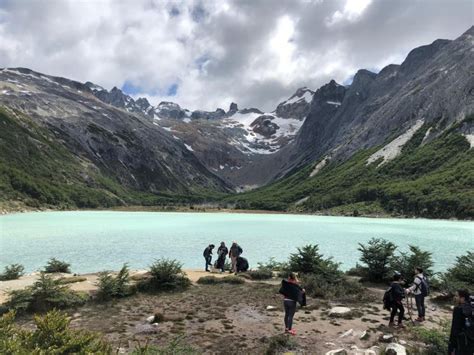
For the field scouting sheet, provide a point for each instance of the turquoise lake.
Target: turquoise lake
(103, 240)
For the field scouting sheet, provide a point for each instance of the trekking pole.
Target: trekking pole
(409, 308)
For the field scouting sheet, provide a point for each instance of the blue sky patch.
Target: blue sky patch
(172, 90)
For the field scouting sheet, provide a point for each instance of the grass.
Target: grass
(212, 280)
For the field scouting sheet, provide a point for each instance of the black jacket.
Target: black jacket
(207, 252)
(293, 292)
(457, 341)
(398, 293)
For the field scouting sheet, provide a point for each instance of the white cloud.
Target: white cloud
(255, 53)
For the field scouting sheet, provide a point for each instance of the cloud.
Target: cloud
(206, 54)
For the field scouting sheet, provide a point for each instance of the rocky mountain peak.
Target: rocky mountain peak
(297, 106)
(418, 56)
(233, 108)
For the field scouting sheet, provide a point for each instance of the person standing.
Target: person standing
(292, 293)
(208, 255)
(222, 252)
(398, 294)
(461, 338)
(234, 252)
(420, 290)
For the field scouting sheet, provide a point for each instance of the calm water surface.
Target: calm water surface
(95, 241)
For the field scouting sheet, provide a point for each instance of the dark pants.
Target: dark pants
(208, 261)
(420, 305)
(290, 309)
(397, 307)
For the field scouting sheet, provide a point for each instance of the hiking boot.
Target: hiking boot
(391, 324)
(419, 319)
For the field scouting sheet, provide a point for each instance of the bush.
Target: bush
(110, 286)
(272, 265)
(279, 344)
(341, 289)
(45, 294)
(51, 336)
(165, 275)
(308, 260)
(377, 256)
(405, 263)
(55, 265)
(212, 280)
(260, 274)
(12, 272)
(436, 340)
(463, 269)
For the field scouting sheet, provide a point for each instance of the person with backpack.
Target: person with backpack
(461, 338)
(420, 289)
(234, 252)
(221, 254)
(293, 293)
(396, 295)
(208, 255)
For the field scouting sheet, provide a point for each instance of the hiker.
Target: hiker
(222, 252)
(293, 293)
(461, 338)
(208, 255)
(420, 290)
(241, 264)
(234, 252)
(397, 294)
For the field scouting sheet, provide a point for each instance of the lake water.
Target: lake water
(95, 241)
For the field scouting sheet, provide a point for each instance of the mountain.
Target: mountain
(303, 155)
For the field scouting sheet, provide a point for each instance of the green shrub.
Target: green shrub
(435, 339)
(51, 336)
(177, 346)
(308, 260)
(110, 286)
(165, 275)
(405, 263)
(341, 289)
(71, 280)
(463, 269)
(278, 344)
(212, 280)
(260, 274)
(272, 265)
(55, 265)
(377, 256)
(12, 272)
(45, 294)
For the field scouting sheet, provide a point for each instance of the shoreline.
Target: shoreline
(199, 209)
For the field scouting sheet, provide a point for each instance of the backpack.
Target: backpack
(468, 312)
(240, 250)
(424, 286)
(388, 299)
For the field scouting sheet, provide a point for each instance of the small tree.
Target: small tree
(463, 269)
(12, 272)
(308, 260)
(405, 263)
(165, 275)
(377, 256)
(114, 286)
(55, 265)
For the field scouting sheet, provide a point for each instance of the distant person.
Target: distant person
(222, 252)
(398, 294)
(241, 265)
(461, 338)
(208, 255)
(234, 252)
(292, 293)
(420, 289)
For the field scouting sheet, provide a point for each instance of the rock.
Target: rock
(271, 308)
(346, 334)
(395, 349)
(145, 329)
(151, 319)
(402, 342)
(329, 344)
(341, 351)
(364, 335)
(339, 311)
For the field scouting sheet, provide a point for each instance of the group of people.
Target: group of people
(238, 263)
(461, 339)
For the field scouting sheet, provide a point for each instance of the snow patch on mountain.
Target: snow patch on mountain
(470, 139)
(393, 149)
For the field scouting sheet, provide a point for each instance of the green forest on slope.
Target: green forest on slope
(38, 171)
(434, 180)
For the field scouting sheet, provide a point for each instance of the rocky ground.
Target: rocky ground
(245, 318)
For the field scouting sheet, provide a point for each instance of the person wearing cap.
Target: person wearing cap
(398, 294)
(222, 252)
(234, 252)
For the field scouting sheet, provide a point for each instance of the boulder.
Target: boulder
(271, 308)
(386, 338)
(347, 333)
(339, 311)
(341, 351)
(395, 349)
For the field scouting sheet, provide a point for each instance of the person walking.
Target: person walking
(420, 291)
(208, 255)
(222, 252)
(292, 293)
(234, 252)
(398, 294)
(461, 338)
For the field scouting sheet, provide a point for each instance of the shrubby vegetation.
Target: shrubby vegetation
(55, 265)
(45, 294)
(405, 263)
(436, 339)
(165, 275)
(52, 335)
(12, 272)
(459, 276)
(212, 280)
(177, 346)
(110, 286)
(376, 256)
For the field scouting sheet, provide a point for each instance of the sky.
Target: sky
(204, 54)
